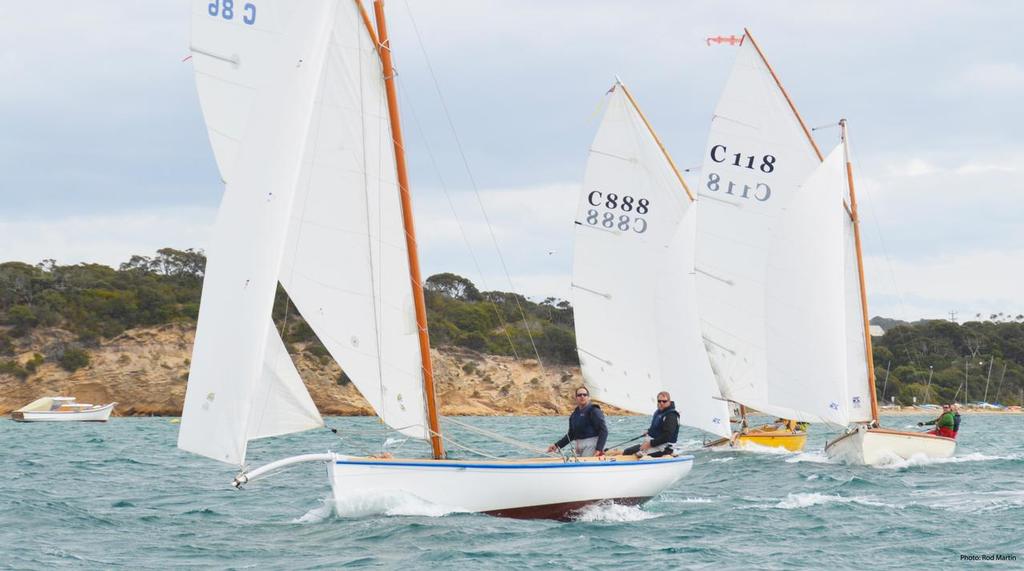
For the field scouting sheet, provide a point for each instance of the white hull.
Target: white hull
(520, 489)
(98, 414)
(873, 446)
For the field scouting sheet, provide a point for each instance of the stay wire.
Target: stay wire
(472, 179)
(407, 103)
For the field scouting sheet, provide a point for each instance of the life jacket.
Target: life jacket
(581, 423)
(659, 419)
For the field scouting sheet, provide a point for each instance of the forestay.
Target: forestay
(635, 326)
(757, 156)
(229, 360)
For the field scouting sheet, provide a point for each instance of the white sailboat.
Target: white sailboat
(866, 442)
(300, 103)
(637, 331)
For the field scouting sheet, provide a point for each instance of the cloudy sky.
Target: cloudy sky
(103, 151)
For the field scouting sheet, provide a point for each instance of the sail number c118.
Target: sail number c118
(226, 9)
(629, 217)
(758, 191)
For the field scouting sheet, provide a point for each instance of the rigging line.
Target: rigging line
(494, 435)
(476, 189)
(462, 231)
(888, 262)
(454, 442)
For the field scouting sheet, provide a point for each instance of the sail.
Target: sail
(757, 156)
(246, 248)
(805, 305)
(281, 403)
(685, 367)
(345, 262)
(346, 265)
(630, 210)
(858, 400)
(231, 51)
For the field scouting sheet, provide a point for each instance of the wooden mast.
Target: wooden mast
(657, 140)
(785, 94)
(384, 48)
(860, 271)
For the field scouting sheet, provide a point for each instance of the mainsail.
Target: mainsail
(633, 285)
(758, 154)
(331, 231)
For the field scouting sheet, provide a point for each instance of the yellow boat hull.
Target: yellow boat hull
(792, 441)
(767, 436)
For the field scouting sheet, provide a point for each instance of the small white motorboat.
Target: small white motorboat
(62, 409)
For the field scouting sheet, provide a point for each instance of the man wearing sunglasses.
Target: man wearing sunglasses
(587, 429)
(663, 432)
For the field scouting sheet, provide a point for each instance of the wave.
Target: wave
(611, 512)
(896, 463)
(371, 503)
(813, 457)
(803, 500)
(729, 459)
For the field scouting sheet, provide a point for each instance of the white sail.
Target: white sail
(281, 403)
(630, 210)
(685, 367)
(757, 155)
(804, 292)
(346, 266)
(858, 400)
(248, 241)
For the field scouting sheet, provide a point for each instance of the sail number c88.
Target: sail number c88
(226, 9)
(629, 217)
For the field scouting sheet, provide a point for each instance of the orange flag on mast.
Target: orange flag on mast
(731, 40)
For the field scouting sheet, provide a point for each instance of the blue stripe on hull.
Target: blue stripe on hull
(519, 466)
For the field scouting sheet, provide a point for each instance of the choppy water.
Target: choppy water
(121, 494)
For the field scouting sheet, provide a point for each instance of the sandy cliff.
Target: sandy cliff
(145, 371)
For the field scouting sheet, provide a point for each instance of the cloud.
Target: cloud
(974, 282)
(105, 239)
(1004, 78)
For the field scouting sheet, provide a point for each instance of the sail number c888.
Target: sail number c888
(226, 9)
(629, 216)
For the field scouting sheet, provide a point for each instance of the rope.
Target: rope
(496, 436)
(408, 104)
(472, 180)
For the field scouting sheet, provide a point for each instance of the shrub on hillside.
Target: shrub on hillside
(73, 359)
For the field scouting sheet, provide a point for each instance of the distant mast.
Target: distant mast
(860, 269)
(410, 231)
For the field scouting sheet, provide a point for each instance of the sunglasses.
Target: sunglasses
(660, 400)
(582, 395)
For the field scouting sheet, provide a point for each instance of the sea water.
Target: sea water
(121, 494)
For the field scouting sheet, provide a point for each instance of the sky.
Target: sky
(104, 154)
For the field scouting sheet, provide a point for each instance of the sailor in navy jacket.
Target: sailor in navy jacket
(663, 432)
(587, 428)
